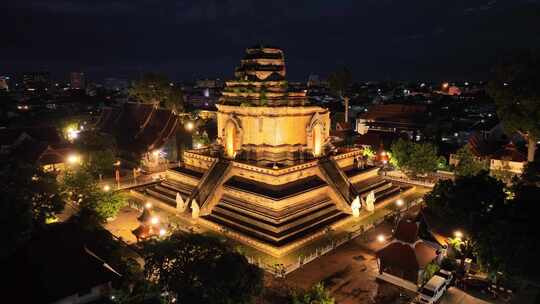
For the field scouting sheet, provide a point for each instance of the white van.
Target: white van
(432, 291)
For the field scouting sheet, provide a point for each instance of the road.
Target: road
(458, 296)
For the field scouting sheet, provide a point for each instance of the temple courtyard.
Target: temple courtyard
(349, 271)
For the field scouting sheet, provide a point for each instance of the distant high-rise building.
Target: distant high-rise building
(4, 86)
(77, 81)
(313, 80)
(209, 83)
(115, 84)
(36, 81)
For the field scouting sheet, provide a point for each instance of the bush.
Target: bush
(317, 294)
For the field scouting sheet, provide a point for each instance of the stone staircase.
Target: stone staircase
(383, 189)
(166, 191)
(337, 179)
(210, 181)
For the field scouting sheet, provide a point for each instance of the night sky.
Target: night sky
(376, 39)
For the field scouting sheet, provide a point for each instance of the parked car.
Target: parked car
(432, 291)
(474, 283)
(448, 276)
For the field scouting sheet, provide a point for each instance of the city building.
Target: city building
(142, 132)
(36, 82)
(41, 146)
(500, 157)
(77, 81)
(394, 118)
(115, 84)
(273, 180)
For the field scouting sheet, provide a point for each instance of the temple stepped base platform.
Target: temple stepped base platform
(273, 225)
(275, 233)
(245, 202)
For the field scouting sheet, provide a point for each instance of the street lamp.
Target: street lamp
(117, 172)
(399, 203)
(381, 238)
(162, 232)
(458, 234)
(73, 159)
(189, 126)
(106, 188)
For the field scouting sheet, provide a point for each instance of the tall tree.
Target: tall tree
(201, 269)
(79, 186)
(516, 90)
(462, 204)
(414, 158)
(495, 227)
(468, 164)
(158, 90)
(30, 197)
(340, 80)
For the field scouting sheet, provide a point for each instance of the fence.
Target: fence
(421, 182)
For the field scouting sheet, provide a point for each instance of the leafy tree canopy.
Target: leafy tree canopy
(79, 186)
(368, 152)
(101, 162)
(515, 88)
(414, 158)
(30, 197)
(157, 89)
(462, 204)
(500, 230)
(201, 269)
(509, 243)
(340, 80)
(90, 141)
(468, 163)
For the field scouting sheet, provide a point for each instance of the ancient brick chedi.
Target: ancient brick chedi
(273, 180)
(260, 118)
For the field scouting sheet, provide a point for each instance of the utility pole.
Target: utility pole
(346, 99)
